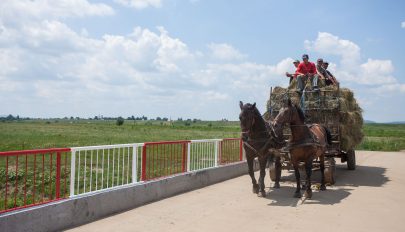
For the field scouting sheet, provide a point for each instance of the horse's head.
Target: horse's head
(289, 113)
(247, 118)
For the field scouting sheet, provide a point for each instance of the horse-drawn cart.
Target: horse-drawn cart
(331, 107)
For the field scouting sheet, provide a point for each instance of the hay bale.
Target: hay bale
(328, 107)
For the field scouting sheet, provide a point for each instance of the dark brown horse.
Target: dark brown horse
(307, 143)
(259, 140)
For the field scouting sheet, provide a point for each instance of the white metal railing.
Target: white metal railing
(202, 154)
(95, 168)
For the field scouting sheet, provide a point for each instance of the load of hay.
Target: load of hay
(335, 108)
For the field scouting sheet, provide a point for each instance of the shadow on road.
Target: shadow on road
(345, 182)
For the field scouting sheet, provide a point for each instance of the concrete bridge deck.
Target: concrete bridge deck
(371, 198)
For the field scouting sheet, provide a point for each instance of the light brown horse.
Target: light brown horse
(259, 140)
(307, 143)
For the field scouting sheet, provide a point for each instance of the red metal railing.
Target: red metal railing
(33, 177)
(163, 159)
(230, 151)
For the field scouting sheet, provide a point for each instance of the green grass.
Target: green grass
(37, 134)
(383, 137)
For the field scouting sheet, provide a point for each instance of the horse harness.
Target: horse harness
(268, 139)
(312, 141)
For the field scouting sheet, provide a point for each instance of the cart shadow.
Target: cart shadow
(346, 181)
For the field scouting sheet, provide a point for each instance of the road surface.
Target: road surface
(370, 198)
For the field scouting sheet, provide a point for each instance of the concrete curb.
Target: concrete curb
(84, 209)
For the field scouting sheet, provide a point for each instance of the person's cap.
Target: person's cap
(320, 60)
(296, 61)
(305, 56)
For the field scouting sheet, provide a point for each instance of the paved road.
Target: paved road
(371, 198)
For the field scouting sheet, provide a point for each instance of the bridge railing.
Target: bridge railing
(96, 168)
(33, 177)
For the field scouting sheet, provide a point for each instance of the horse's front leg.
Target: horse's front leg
(255, 188)
(297, 193)
(308, 170)
(262, 163)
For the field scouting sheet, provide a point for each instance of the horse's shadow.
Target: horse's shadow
(346, 181)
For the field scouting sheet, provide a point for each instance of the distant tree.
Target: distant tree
(180, 119)
(95, 117)
(120, 121)
(165, 119)
(158, 119)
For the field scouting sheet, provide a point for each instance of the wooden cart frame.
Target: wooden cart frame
(332, 123)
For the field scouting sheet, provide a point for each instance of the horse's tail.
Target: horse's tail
(328, 135)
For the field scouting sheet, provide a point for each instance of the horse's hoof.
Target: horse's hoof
(323, 187)
(308, 194)
(262, 194)
(276, 185)
(255, 189)
(297, 195)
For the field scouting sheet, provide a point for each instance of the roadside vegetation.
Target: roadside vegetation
(37, 134)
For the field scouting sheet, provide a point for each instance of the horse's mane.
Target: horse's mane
(300, 113)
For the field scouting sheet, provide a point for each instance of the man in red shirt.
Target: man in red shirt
(290, 75)
(306, 70)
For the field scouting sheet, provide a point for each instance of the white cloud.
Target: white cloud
(375, 72)
(389, 89)
(140, 4)
(403, 24)
(329, 44)
(351, 69)
(225, 52)
(24, 10)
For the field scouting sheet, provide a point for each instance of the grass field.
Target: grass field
(36, 134)
(383, 137)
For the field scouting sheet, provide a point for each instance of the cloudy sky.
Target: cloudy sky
(192, 58)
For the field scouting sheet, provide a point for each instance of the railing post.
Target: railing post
(183, 162)
(143, 167)
(216, 152)
(72, 173)
(57, 188)
(188, 156)
(134, 163)
(240, 150)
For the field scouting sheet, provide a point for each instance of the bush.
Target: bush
(120, 121)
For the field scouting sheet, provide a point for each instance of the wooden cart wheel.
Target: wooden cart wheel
(351, 160)
(330, 171)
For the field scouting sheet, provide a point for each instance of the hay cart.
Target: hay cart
(332, 107)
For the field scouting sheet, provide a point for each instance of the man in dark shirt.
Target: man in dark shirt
(331, 80)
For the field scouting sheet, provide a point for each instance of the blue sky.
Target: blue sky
(192, 58)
